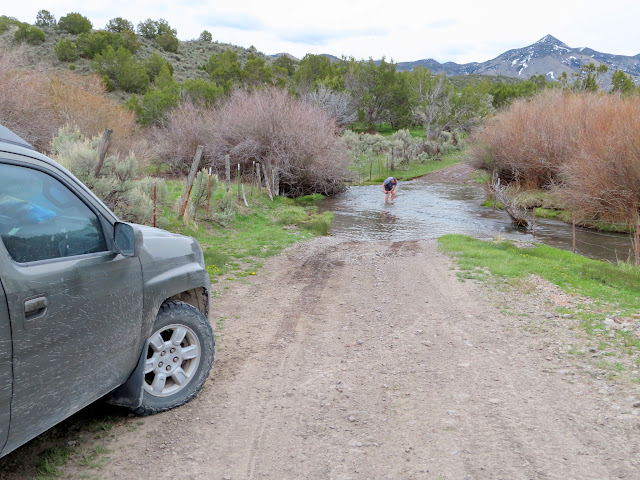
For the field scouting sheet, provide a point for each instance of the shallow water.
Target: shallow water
(424, 210)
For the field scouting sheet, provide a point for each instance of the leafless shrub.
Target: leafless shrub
(35, 104)
(529, 141)
(296, 141)
(602, 179)
(584, 146)
(338, 105)
(186, 127)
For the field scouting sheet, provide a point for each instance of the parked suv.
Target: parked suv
(90, 306)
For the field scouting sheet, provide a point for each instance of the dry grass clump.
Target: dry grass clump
(585, 147)
(35, 104)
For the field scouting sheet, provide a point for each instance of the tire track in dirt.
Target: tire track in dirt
(310, 279)
(347, 360)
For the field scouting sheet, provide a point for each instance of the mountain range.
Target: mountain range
(548, 56)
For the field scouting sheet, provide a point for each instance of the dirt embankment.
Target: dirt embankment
(349, 360)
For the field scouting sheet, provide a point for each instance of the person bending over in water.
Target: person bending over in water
(389, 187)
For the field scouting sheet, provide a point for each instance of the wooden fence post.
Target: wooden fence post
(192, 176)
(238, 178)
(227, 167)
(638, 244)
(253, 178)
(209, 190)
(266, 181)
(573, 228)
(244, 197)
(259, 178)
(102, 149)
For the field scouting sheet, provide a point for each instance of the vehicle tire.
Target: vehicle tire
(178, 358)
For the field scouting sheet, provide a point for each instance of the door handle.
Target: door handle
(34, 308)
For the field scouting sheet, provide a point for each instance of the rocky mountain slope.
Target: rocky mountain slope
(548, 56)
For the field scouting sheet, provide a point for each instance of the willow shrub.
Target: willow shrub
(583, 146)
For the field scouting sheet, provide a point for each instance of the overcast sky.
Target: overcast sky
(459, 31)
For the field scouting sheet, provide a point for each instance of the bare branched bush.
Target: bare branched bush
(585, 146)
(36, 105)
(338, 105)
(601, 182)
(176, 142)
(296, 141)
(529, 141)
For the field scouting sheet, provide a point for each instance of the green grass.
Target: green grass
(614, 288)
(602, 281)
(96, 458)
(372, 170)
(235, 248)
(50, 460)
(387, 130)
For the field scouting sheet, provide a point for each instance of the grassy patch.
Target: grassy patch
(50, 459)
(615, 289)
(373, 170)
(96, 458)
(386, 130)
(235, 243)
(599, 280)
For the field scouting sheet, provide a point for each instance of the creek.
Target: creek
(427, 210)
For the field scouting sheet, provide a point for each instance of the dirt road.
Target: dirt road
(346, 360)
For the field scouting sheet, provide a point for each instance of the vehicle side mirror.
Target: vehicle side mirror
(124, 239)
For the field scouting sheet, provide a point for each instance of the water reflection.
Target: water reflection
(424, 210)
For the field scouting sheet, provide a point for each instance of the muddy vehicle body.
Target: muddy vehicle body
(90, 306)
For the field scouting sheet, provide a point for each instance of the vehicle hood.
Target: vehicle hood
(166, 249)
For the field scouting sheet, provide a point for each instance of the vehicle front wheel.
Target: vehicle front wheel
(178, 358)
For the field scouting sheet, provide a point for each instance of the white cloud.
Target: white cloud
(464, 32)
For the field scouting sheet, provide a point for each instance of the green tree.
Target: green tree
(66, 50)
(168, 42)
(154, 64)
(375, 91)
(90, 44)
(131, 41)
(29, 34)
(256, 72)
(504, 93)
(152, 28)
(75, 24)
(119, 25)
(286, 63)
(121, 67)
(622, 84)
(157, 101)
(45, 19)
(224, 69)
(312, 71)
(205, 36)
(200, 91)
(587, 77)
(163, 28)
(431, 95)
(148, 29)
(399, 104)
(468, 107)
